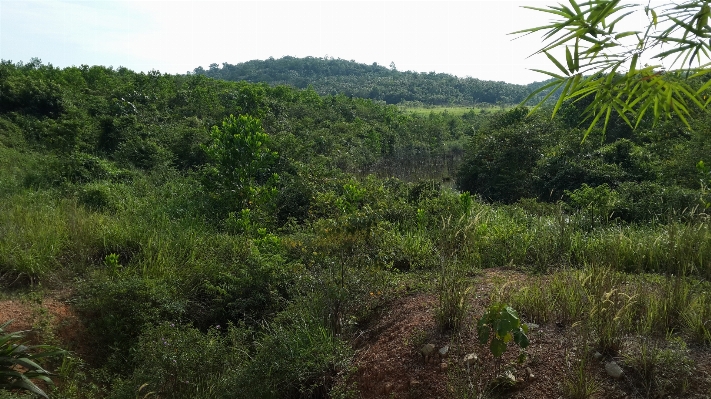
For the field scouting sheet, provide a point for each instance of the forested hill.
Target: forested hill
(335, 76)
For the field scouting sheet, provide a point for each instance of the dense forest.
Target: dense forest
(228, 239)
(329, 76)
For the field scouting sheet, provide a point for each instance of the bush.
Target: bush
(179, 361)
(648, 201)
(296, 357)
(499, 163)
(117, 310)
(96, 196)
(251, 292)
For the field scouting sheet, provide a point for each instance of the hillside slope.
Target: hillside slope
(376, 82)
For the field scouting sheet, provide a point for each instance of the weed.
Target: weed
(661, 369)
(579, 382)
(416, 339)
(454, 289)
(697, 318)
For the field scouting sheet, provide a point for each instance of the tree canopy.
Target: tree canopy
(329, 76)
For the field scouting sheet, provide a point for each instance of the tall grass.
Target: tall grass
(612, 305)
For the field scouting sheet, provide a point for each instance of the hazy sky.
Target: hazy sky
(463, 38)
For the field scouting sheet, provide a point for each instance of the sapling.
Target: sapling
(499, 326)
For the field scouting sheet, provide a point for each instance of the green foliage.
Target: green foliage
(331, 76)
(499, 163)
(602, 63)
(33, 233)
(499, 326)
(240, 159)
(181, 362)
(249, 293)
(705, 173)
(662, 369)
(116, 310)
(18, 363)
(456, 261)
(598, 202)
(113, 192)
(297, 356)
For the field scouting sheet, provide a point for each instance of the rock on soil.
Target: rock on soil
(613, 370)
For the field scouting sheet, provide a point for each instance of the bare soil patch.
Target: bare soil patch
(390, 364)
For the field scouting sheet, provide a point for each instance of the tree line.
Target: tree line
(329, 76)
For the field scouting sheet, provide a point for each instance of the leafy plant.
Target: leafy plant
(179, 361)
(499, 326)
(598, 201)
(239, 158)
(602, 63)
(18, 362)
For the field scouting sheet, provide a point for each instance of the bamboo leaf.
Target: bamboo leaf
(576, 63)
(558, 64)
(625, 34)
(592, 125)
(548, 73)
(569, 60)
(680, 115)
(607, 119)
(562, 96)
(655, 19)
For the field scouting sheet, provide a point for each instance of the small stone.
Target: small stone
(444, 351)
(470, 359)
(597, 355)
(414, 383)
(427, 350)
(532, 326)
(529, 374)
(443, 366)
(613, 370)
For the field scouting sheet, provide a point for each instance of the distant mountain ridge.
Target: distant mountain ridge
(376, 82)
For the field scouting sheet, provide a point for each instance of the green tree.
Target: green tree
(500, 160)
(239, 161)
(607, 66)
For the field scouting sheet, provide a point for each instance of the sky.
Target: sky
(463, 38)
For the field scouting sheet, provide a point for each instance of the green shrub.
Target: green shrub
(116, 310)
(240, 161)
(647, 201)
(96, 196)
(179, 361)
(297, 356)
(143, 153)
(251, 292)
(77, 168)
(10, 135)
